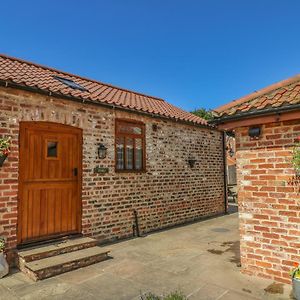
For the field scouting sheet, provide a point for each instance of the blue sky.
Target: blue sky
(192, 53)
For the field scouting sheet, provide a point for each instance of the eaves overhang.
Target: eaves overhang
(255, 113)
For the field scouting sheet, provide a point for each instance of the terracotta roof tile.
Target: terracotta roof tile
(27, 74)
(284, 93)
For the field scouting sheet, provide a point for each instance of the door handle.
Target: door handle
(75, 171)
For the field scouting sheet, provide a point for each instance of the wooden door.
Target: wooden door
(49, 181)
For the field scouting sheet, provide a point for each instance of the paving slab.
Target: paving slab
(108, 287)
(79, 276)
(208, 292)
(6, 294)
(230, 295)
(16, 280)
(199, 259)
(46, 287)
(73, 293)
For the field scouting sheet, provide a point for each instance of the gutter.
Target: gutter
(111, 106)
(225, 173)
(264, 112)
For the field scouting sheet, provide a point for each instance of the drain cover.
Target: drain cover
(220, 230)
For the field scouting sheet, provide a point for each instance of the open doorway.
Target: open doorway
(231, 172)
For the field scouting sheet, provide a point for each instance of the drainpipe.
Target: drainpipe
(225, 173)
(136, 225)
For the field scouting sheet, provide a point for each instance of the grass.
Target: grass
(172, 296)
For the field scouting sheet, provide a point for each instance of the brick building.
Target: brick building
(266, 125)
(86, 155)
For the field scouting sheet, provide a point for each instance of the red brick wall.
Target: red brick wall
(269, 207)
(169, 193)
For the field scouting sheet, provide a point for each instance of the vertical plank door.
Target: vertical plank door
(49, 181)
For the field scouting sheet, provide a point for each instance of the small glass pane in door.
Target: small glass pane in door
(52, 149)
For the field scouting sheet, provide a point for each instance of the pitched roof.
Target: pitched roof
(283, 94)
(40, 78)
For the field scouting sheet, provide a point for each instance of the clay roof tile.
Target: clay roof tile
(26, 74)
(284, 93)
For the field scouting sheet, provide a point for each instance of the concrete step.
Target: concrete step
(56, 248)
(58, 264)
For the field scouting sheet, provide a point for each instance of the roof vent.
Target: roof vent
(70, 83)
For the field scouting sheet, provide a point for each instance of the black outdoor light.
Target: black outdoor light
(192, 162)
(102, 151)
(254, 132)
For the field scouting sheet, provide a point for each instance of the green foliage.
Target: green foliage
(295, 273)
(4, 146)
(172, 296)
(2, 244)
(296, 158)
(175, 296)
(150, 296)
(203, 113)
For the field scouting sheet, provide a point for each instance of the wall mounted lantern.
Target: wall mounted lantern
(192, 162)
(102, 150)
(254, 132)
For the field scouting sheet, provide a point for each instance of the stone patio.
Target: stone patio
(201, 260)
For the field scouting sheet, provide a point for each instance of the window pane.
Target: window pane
(137, 130)
(129, 154)
(138, 154)
(120, 153)
(51, 149)
(129, 145)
